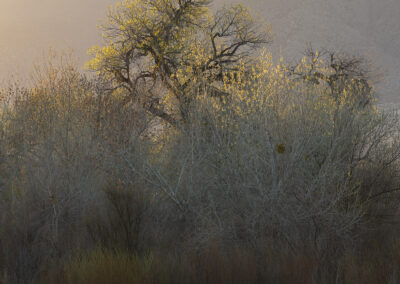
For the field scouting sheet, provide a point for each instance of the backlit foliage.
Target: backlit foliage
(165, 52)
(266, 85)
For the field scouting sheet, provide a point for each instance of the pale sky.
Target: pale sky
(371, 27)
(28, 28)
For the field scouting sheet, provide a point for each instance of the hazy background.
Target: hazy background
(368, 27)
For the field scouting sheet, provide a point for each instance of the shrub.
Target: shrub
(277, 179)
(59, 140)
(281, 160)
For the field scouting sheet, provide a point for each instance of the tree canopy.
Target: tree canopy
(163, 53)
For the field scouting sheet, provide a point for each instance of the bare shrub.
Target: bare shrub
(272, 181)
(120, 224)
(283, 161)
(59, 139)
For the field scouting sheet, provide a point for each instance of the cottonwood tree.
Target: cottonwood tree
(161, 53)
(342, 73)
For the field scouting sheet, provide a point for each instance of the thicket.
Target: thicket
(268, 174)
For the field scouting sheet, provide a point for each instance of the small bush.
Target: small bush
(123, 222)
